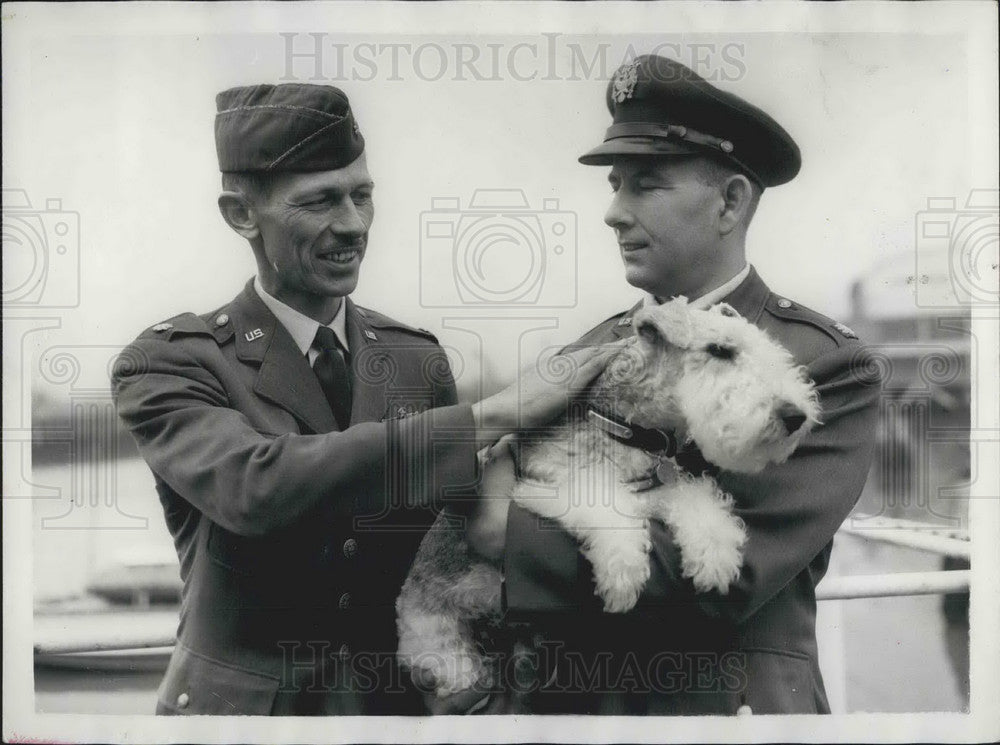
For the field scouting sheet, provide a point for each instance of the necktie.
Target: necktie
(331, 368)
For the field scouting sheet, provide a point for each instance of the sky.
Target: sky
(112, 126)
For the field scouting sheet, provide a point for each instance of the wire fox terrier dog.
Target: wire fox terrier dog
(696, 378)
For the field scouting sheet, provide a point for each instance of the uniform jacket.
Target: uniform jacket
(293, 537)
(684, 652)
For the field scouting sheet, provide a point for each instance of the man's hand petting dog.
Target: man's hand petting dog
(542, 391)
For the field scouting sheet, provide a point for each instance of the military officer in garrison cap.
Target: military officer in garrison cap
(293, 435)
(688, 164)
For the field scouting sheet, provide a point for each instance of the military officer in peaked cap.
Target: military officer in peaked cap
(688, 163)
(292, 434)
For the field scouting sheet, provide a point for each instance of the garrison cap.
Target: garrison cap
(288, 127)
(661, 107)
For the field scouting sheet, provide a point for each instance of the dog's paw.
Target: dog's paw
(620, 576)
(707, 532)
(717, 563)
(717, 574)
(618, 599)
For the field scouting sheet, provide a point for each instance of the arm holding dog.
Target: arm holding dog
(791, 510)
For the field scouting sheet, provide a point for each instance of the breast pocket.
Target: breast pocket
(196, 684)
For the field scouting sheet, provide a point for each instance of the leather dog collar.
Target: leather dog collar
(654, 441)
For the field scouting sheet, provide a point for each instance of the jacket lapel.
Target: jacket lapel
(367, 391)
(285, 377)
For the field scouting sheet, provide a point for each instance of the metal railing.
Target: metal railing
(904, 533)
(911, 534)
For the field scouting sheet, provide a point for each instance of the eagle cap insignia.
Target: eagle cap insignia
(625, 81)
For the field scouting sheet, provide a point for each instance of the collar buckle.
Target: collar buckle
(615, 429)
(653, 441)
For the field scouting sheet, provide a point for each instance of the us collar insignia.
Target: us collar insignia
(625, 81)
(625, 321)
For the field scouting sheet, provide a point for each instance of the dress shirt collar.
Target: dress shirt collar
(301, 327)
(709, 298)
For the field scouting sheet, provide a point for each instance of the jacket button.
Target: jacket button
(744, 711)
(344, 652)
(345, 601)
(784, 303)
(221, 320)
(182, 701)
(350, 547)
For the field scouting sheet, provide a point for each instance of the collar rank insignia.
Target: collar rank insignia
(625, 81)
(845, 330)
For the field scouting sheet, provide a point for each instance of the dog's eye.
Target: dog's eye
(721, 351)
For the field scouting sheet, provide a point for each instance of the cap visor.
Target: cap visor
(603, 154)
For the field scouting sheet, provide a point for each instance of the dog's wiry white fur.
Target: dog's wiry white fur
(708, 376)
(445, 590)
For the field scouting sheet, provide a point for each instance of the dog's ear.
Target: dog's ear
(725, 309)
(673, 322)
(648, 331)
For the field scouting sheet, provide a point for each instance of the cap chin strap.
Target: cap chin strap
(686, 135)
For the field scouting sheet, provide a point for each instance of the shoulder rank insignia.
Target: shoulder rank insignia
(371, 334)
(845, 330)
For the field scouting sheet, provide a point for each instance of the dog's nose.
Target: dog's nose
(792, 422)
